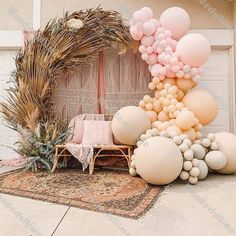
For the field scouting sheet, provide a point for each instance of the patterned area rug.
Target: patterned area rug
(114, 192)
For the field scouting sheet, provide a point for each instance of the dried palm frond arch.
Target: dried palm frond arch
(63, 45)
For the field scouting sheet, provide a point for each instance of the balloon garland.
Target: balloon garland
(176, 112)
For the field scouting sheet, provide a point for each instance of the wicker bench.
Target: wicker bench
(124, 151)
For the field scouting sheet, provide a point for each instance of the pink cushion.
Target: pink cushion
(78, 131)
(97, 133)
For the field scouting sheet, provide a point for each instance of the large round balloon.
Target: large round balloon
(176, 20)
(158, 160)
(129, 123)
(194, 49)
(227, 145)
(202, 104)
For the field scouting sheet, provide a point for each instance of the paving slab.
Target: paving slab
(206, 209)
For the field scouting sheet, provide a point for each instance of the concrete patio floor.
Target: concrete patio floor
(206, 209)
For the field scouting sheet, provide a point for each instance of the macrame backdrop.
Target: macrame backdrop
(104, 86)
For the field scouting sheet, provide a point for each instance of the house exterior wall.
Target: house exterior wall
(205, 14)
(16, 14)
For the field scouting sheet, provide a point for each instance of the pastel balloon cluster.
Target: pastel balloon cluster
(166, 111)
(198, 156)
(160, 48)
(166, 127)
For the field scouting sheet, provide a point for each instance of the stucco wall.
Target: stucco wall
(16, 14)
(205, 14)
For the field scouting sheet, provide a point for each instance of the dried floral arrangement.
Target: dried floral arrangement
(63, 45)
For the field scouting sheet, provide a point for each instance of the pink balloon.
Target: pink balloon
(148, 12)
(144, 56)
(133, 30)
(180, 74)
(176, 20)
(170, 74)
(152, 59)
(137, 36)
(194, 49)
(155, 22)
(173, 44)
(175, 69)
(176, 54)
(148, 28)
(155, 70)
(167, 58)
(174, 61)
(187, 76)
(132, 21)
(169, 50)
(181, 65)
(163, 43)
(139, 26)
(147, 41)
(168, 33)
(186, 69)
(140, 16)
(159, 50)
(162, 70)
(160, 30)
(155, 46)
(194, 71)
(168, 67)
(161, 36)
(149, 50)
(142, 49)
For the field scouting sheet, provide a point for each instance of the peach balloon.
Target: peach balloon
(185, 120)
(142, 104)
(162, 116)
(149, 106)
(180, 95)
(129, 123)
(176, 20)
(202, 104)
(194, 49)
(184, 84)
(147, 99)
(157, 106)
(171, 81)
(227, 145)
(191, 134)
(158, 160)
(152, 115)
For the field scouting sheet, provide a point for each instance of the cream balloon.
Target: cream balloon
(215, 160)
(203, 168)
(129, 123)
(202, 104)
(198, 151)
(158, 160)
(227, 145)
